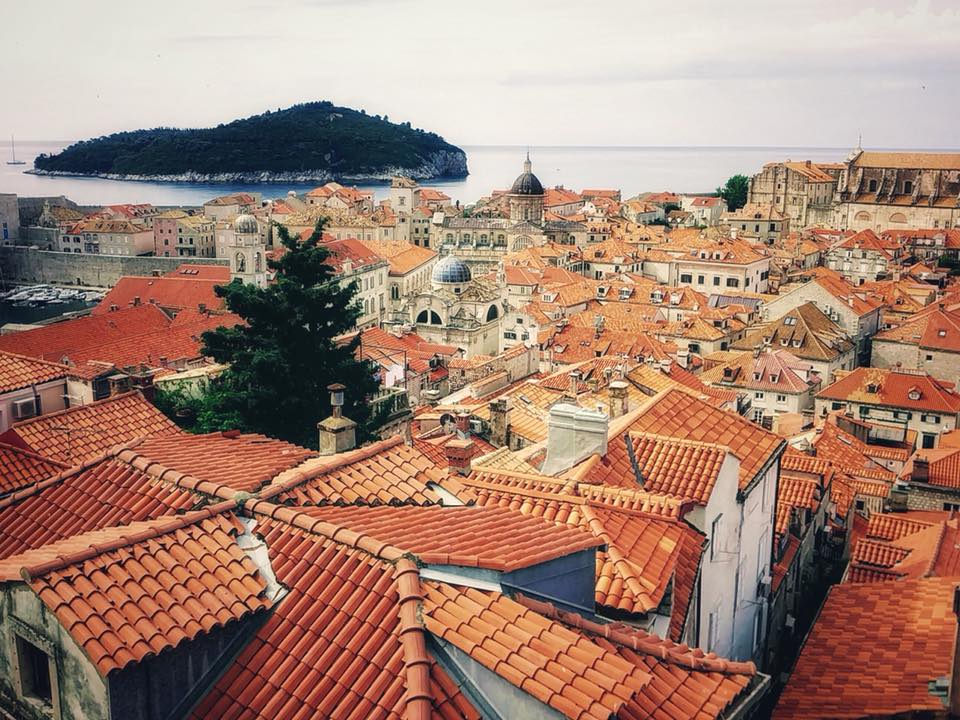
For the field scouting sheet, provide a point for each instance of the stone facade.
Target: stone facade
(939, 363)
(802, 191)
(22, 264)
(9, 218)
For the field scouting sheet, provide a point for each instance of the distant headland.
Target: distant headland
(310, 142)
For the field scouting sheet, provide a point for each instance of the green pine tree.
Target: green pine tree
(284, 355)
(735, 191)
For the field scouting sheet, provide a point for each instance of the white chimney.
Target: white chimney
(574, 434)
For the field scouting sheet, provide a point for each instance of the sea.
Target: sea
(630, 169)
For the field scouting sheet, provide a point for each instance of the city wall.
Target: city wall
(27, 265)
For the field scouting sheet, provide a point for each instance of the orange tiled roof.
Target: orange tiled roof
(80, 433)
(486, 537)
(672, 466)
(384, 472)
(403, 257)
(893, 388)
(433, 447)
(676, 413)
(101, 493)
(345, 641)
(62, 339)
(167, 292)
(902, 636)
(19, 371)
(794, 492)
(244, 462)
(150, 587)
(20, 467)
(562, 669)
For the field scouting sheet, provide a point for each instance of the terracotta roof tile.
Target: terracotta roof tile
(173, 292)
(20, 467)
(80, 433)
(244, 462)
(158, 584)
(893, 388)
(684, 683)
(486, 537)
(794, 492)
(874, 651)
(561, 668)
(672, 466)
(64, 339)
(20, 371)
(101, 493)
(384, 472)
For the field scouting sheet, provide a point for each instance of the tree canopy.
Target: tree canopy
(316, 136)
(735, 191)
(281, 359)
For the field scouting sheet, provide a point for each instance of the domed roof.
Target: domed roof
(245, 224)
(526, 183)
(451, 270)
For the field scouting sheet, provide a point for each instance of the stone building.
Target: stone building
(882, 190)
(801, 191)
(240, 242)
(178, 234)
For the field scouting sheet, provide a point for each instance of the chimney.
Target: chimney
(337, 433)
(573, 435)
(574, 386)
(666, 365)
(463, 424)
(921, 470)
(499, 423)
(114, 308)
(136, 300)
(155, 272)
(202, 307)
(618, 398)
(459, 453)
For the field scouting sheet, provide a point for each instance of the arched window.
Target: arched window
(492, 313)
(863, 216)
(428, 317)
(898, 218)
(241, 263)
(258, 262)
(394, 292)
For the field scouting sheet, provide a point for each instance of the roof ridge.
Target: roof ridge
(37, 456)
(163, 526)
(681, 441)
(416, 659)
(295, 476)
(338, 533)
(642, 641)
(29, 358)
(180, 479)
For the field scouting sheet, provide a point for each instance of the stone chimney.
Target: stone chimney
(337, 433)
(136, 300)
(463, 424)
(459, 453)
(574, 434)
(666, 365)
(921, 470)
(500, 423)
(574, 385)
(618, 398)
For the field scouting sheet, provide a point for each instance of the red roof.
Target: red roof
(874, 651)
(19, 371)
(220, 273)
(173, 292)
(913, 390)
(131, 592)
(678, 467)
(485, 537)
(81, 433)
(64, 339)
(20, 467)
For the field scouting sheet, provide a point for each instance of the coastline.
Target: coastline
(442, 165)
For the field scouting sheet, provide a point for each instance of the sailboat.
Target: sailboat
(13, 154)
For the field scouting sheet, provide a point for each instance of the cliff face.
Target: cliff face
(316, 142)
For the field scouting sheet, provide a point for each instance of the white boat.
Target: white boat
(13, 154)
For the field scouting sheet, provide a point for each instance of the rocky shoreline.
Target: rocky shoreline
(442, 164)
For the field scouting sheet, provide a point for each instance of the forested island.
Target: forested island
(315, 141)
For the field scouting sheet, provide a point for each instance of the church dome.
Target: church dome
(245, 224)
(451, 270)
(526, 183)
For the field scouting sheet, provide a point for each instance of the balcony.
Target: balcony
(392, 402)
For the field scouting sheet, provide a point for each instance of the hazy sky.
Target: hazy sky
(805, 73)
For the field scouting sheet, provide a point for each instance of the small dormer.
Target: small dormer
(914, 393)
(601, 291)
(656, 296)
(674, 298)
(758, 376)
(774, 378)
(625, 293)
(873, 388)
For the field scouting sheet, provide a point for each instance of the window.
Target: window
(859, 504)
(733, 282)
(873, 186)
(712, 632)
(928, 441)
(929, 357)
(686, 278)
(758, 395)
(951, 507)
(716, 279)
(781, 398)
(836, 406)
(34, 672)
(907, 187)
(935, 419)
(700, 279)
(715, 537)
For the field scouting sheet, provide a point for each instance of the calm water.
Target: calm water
(631, 169)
